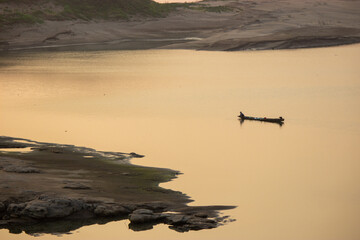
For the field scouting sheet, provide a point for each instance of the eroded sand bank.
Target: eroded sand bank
(261, 24)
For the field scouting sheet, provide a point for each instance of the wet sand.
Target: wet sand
(249, 25)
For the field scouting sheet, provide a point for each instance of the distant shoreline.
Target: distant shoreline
(144, 44)
(250, 25)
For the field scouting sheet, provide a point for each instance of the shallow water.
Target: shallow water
(179, 108)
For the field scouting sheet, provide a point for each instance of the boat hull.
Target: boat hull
(273, 120)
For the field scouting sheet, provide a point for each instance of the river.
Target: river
(179, 108)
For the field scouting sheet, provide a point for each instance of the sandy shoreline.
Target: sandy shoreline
(56, 188)
(281, 24)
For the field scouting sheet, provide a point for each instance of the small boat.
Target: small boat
(279, 120)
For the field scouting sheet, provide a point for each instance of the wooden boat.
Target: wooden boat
(279, 120)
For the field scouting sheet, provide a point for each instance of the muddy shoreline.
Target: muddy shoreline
(247, 25)
(56, 188)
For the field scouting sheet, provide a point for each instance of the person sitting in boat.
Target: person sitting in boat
(241, 115)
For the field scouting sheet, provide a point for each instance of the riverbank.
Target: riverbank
(209, 25)
(54, 188)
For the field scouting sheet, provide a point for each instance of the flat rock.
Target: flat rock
(76, 185)
(21, 169)
(110, 210)
(155, 206)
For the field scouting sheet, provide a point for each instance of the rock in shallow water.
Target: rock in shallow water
(178, 222)
(46, 208)
(144, 216)
(194, 223)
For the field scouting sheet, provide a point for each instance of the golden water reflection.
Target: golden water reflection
(179, 108)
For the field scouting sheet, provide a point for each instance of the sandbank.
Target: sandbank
(57, 188)
(245, 25)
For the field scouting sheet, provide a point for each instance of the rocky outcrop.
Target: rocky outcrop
(45, 208)
(177, 221)
(188, 223)
(21, 169)
(142, 216)
(70, 187)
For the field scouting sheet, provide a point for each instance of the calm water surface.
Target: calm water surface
(299, 181)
